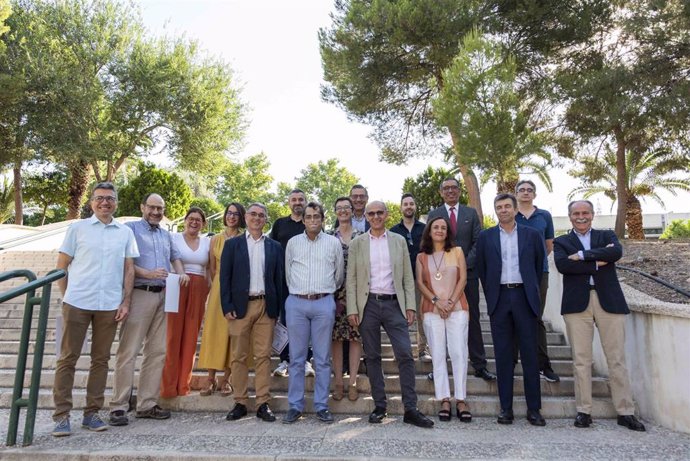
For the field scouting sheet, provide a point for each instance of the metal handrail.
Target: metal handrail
(5, 244)
(18, 402)
(656, 279)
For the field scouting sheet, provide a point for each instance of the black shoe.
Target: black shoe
(291, 416)
(582, 420)
(549, 375)
(535, 418)
(325, 416)
(118, 418)
(485, 374)
(237, 412)
(505, 417)
(264, 413)
(417, 418)
(430, 376)
(154, 412)
(377, 415)
(631, 423)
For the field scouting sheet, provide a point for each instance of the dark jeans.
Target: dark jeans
(542, 354)
(475, 342)
(387, 314)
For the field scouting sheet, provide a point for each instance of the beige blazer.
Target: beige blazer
(359, 273)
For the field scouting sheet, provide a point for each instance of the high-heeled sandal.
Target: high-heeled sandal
(463, 415)
(444, 414)
(352, 392)
(338, 392)
(224, 388)
(209, 388)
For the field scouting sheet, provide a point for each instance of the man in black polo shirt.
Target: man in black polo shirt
(411, 228)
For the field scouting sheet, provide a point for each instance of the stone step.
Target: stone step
(475, 386)
(552, 407)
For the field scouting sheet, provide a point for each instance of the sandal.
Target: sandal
(352, 392)
(444, 414)
(224, 388)
(338, 392)
(210, 388)
(464, 415)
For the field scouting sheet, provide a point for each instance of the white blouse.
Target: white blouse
(195, 262)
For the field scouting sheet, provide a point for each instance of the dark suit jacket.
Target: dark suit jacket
(234, 276)
(531, 254)
(576, 273)
(468, 228)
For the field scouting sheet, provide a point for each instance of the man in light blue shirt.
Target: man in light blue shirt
(98, 254)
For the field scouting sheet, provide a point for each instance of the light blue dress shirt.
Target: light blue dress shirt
(156, 250)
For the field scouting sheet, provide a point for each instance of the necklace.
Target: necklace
(438, 275)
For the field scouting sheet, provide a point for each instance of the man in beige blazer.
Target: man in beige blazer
(380, 293)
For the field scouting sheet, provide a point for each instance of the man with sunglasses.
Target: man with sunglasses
(412, 229)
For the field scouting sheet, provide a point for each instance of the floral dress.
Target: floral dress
(342, 331)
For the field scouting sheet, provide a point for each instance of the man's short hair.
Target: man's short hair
(146, 197)
(570, 205)
(316, 206)
(505, 196)
(260, 205)
(297, 191)
(525, 181)
(407, 195)
(359, 186)
(377, 202)
(440, 186)
(104, 185)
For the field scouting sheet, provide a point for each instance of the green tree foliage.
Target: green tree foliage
(245, 181)
(489, 122)
(678, 228)
(46, 189)
(394, 214)
(426, 189)
(6, 199)
(325, 181)
(5, 11)
(177, 195)
(209, 205)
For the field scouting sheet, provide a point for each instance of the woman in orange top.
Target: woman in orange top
(441, 277)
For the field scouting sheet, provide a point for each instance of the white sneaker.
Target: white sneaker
(308, 369)
(281, 369)
(424, 356)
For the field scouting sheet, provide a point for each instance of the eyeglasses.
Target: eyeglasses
(195, 220)
(377, 213)
(449, 188)
(409, 239)
(233, 213)
(155, 208)
(312, 217)
(254, 214)
(343, 208)
(526, 189)
(105, 198)
(358, 196)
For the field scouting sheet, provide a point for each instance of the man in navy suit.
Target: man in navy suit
(510, 262)
(251, 293)
(592, 296)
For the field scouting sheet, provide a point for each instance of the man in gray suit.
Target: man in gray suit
(465, 227)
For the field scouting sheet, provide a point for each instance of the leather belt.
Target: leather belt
(151, 288)
(255, 297)
(313, 296)
(382, 297)
(511, 285)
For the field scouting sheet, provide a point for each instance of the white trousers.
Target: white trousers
(450, 334)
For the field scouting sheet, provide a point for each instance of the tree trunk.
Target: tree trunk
(18, 199)
(621, 183)
(471, 182)
(78, 181)
(633, 218)
(43, 217)
(505, 183)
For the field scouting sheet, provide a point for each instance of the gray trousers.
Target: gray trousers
(387, 314)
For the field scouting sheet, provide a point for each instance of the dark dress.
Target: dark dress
(342, 331)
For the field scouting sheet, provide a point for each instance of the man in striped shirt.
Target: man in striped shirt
(314, 270)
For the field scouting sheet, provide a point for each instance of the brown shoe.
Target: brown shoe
(209, 388)
(154, 412)
(352, 393)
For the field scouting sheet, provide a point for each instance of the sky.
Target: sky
(272, 46)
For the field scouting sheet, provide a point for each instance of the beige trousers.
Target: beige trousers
(580, 330)
(144, 325)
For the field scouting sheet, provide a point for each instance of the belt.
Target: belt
(592, 287)
(382, 297)
(312, 297)
(255, 297)
(151, 288)
(511, 285)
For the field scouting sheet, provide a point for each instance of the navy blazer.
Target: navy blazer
(576, 273)
(234, 276)
(468, 232)
(489, 264)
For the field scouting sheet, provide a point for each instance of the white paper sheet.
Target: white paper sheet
(280, 338)
(172, 293)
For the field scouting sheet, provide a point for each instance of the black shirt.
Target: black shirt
(284, 229)
(413, 239)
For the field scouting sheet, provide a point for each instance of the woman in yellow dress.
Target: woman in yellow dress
(215, 342)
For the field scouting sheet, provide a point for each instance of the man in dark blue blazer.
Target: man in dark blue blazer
(592, 296)
(251, 293)
(510, 262)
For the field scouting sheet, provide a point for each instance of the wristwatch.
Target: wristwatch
(435, 299)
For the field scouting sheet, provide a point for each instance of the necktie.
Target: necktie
(453, 221)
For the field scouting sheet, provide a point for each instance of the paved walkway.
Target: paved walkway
(206, 436)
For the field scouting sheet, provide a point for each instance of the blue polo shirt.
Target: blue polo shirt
(542, 221)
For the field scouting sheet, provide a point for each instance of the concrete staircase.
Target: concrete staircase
(557, 398)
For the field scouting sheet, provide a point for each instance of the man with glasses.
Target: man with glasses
(283, 230)
(529, 215)
(314, 270)
(251, 290)
(465, 227)
(145, 324)
(98, 255)
(359, 197)
(380, 293)
(412, 229)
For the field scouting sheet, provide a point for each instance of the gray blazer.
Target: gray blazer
(468, 232)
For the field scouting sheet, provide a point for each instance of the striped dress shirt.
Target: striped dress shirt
(314, 266)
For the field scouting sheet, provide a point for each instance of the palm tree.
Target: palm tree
(648, 173)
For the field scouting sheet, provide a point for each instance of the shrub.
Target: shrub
(677, 229)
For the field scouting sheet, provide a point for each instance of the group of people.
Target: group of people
(333, 292)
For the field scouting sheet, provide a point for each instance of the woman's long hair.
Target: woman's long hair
(240, 210)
